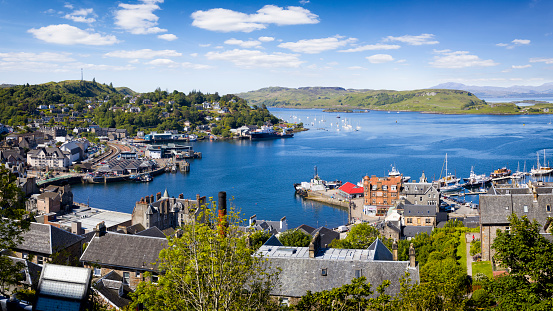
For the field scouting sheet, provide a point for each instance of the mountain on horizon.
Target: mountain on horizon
(544, 90)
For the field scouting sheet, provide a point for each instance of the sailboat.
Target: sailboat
(518, 174)
(449, 182)
(541, 170)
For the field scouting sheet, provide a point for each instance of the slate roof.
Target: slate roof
(327, 235)
(301, 273)
(31, 271)
(124, 250)
(152, 232)
(307, 229)
(412, 231)
(111, 286)
(378, 251)
(273, 241)
(416, 210)
(416, 188)
(47, 239)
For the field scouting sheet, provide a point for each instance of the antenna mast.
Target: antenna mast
(81, 75)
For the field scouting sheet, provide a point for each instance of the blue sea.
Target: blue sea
(259, 175)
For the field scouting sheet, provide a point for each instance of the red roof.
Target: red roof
(350, 188)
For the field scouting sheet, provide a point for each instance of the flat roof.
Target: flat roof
(90, 217)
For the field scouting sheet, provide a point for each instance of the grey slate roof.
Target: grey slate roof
(307, 229)
(412, 231)
(124, 250)
(111, 287)
(273, 241)
(379, 251)
(419, 210)
(301, 273)
(47, 239)
(152, 232)
(327, 235)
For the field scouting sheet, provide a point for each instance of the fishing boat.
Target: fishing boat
(394, 173)
(500, 173)
(449, 183)
(476, 180)
(541, 170)
(316, 184)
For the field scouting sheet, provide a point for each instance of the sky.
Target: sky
(239, 46)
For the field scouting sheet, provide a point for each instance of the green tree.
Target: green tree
(209, 267)
(12, 210)
(258, 238)
(529, 258)
(360, 236)
(294, 237)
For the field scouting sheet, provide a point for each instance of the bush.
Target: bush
(475, 247)
(481, 299)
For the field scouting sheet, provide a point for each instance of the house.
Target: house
(112, 291)
(351, 191)
(48, 202)
(63, 288)
(423, 192)
(30, 273)
(272, 227)
(316, 268)
(127, 255)
(74, 149)
(327, 235)
(165, 212)
(28, 185)
(47, 243)
(380, 193)
(65, 193)
(500, 202)
(51, 157)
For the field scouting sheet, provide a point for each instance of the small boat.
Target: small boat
(394, 173)
(144, 178)
(541, 170)
(518, 174)
(449, 183)
(500, 173)
(192, 137)
(475, 180)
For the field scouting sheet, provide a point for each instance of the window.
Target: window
(385, 187)
(324, 272)
(374, 187)
(358, 273)
(409, 220)
(126, 277)
(418, 221)
(526, 208)
(284, 302)
(548, 208)
(393, 187)
(420, 199)
(97, 271)
(137, 274)
(428, 220)
(374, 201)
(24, 255)
(40, 260)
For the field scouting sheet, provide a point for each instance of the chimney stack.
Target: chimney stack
(181, 196)
(151, 198)
(314, 245)
(100, 229)
(394, 250)
(223, 212)
(283, 224)
(412, 263)
(76, 227)
(158, 196)
(253, 219)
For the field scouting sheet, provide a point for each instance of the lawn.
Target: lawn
(462, 251)
(484, 267)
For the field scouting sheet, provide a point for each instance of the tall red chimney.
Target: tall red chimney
(222, 212)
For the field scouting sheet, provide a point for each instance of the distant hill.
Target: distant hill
(544, 90)
(6, 85)
(429, 100)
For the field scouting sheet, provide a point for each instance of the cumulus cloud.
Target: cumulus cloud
(80, 16)
(225, 20)
(143, 54)
(69, 35)
(168, 37)
(515, 42)
(459, 59)
(256, 59)
(380, 58)
(266, 39)
(521, 66)
(541, 60)
(244, 44)
(48, 62)
(372, 47)
(423, 39)
(139, 19)
(36, 57)
(314, 46)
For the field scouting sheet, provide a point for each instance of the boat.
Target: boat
(394, 173)
(500, 173)
(449, 183)
(541, 170)
(267, 132)
(192, 137)
(143, 178)
(316, 184)
(518, 174)
(475, 180)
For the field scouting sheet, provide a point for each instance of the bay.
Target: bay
(259, 175)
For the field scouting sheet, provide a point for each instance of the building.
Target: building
(327, 235)
(165, 212)
(48, 202)
(48, 157)
(127, 255)
(423, 193)
(351, 191)
(534, 202)
(54, 131)
(66, 195)
(316, 269)
(272, 227)
(380, 193)
(74, 151)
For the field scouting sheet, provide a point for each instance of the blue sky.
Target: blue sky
(236, 46)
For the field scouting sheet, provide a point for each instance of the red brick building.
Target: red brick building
(380, 193)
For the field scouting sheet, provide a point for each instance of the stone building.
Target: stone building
(421, 193)
(534, 202)
(49, 157)
(165, 212)
(380, 193)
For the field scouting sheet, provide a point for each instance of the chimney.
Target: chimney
(151, 198)
(76, 227)
(223, 211)
(412, 263)
(314, 245)
(253, 219)
(394, 250)
(141, 200)
(181, 196)
(283, 224)
(100, 229)
(158, 196)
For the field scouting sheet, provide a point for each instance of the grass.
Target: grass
(484, 267)
(462, 250)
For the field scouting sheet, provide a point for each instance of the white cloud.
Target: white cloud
(256, 59)
(34, 57)
(541, 60)
(205, 45)
(139, 19)
(314, 46)
(144, 53)
(521, 42)
(423, 39)
(502, 44)
(380, 58)
(225, 20)
(48, 62)
(459, 59)
(266, 39)
(303, 2)
(244, 44)
(357, 68)
(164, 62)
(68, 5)
(521, 66)
(372, 47)
(80, 16)
(69, 35)
(194, 54)
(168, 37)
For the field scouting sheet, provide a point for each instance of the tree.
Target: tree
(360, 236)
(209, 268)
(12, 210)
(258, 238)
(294, 237)
(529, 257)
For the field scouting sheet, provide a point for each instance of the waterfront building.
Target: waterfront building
(48, 157)
(351, 191)
(165, 212)
(419, 218)
(380, 193)
(420, 193)
(273, 227)
(316, 268)
(534, 202)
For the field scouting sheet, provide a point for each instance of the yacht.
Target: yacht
(475, 180)
(449, 183)
(541, 170)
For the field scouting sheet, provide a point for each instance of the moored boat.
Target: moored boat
(476, 180)
(501, 172)
(541, 170)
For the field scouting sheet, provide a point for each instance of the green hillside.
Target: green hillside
(427, 100)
